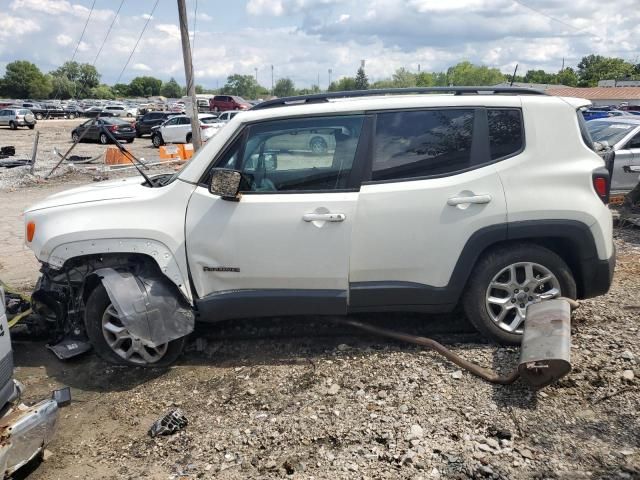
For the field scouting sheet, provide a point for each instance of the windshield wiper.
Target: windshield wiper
(131, 157)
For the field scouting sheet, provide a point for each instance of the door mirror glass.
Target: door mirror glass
(225, 183)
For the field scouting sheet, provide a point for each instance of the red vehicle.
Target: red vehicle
(222, 103)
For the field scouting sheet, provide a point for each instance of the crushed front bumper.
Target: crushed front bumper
(26, 431)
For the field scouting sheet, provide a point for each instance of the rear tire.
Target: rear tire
(72, 116)
(129, 140)
(39, 116)
(97, 307)
(13, 126)
(75, 137)
(189, 138)
(31, 127)
(482, 304)
(104, 139)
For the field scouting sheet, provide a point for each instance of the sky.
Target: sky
(303, 39)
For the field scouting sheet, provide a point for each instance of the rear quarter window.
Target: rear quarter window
(506, 134)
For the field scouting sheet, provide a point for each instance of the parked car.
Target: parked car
(120, 129)
(178, 129)
(145, 122)
(621, 134)
(228, 115)
(48, 111)
(222, 103)
(121, 110)
(73, 111)
(26, 430)
(421, 205)
(592, 114)
(98, 112)
(17, 117)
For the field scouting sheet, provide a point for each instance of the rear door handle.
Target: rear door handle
(454, 201)
(324, 217)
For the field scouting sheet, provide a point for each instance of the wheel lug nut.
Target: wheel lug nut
(516, 290)
(530, 299)
(522, 305)
(513, 300)
(526, 289)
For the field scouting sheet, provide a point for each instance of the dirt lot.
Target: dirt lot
(306, 398)
(57, 134)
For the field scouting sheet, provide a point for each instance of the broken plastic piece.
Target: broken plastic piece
(173, 421)
(150, 308)
(69, 347)
(62, 396)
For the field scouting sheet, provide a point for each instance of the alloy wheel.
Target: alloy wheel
(125, 345)
(514, 288)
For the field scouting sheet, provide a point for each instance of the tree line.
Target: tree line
(23, 79)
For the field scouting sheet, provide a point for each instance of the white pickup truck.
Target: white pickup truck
(24, 430)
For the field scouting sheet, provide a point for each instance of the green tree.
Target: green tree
(63, 88)
(23, 79)
(343, 85)
(145, 87)
(284, 88)
(84, 77)
(540, 76)
(102, 91)
(362, 82)
(171, 89)
(120, 90)
(467, 74)
(403, 78)
(567, 76)
(241, 85)
(593, 68)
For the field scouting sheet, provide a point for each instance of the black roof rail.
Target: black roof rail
(325, 97)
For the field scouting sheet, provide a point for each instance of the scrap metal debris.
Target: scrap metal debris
(172, 422)
(8, 151)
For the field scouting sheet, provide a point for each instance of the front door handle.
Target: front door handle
(324, 217)
(454, 201)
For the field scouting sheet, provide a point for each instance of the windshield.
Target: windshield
(608, 132)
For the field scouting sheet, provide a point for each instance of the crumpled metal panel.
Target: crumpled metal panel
(148, 307)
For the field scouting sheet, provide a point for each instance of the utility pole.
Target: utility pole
(272, 90)
(188, 73)
(329, 79)
(256, 69)
(418, 68)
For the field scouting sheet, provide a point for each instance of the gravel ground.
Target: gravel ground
(57, 133)
(306, 398)
(309, 398)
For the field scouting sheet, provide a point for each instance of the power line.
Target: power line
(555, 19)
(108, 32)
(83, 31)
(195, 19)
(138, 41)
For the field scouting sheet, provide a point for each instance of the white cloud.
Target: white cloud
(171, 30)
(10, 26)
(204, 17)
(141, 67)
(64, 40)
(60, 7)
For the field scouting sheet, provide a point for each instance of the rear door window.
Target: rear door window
(415, 144)
(505, 132)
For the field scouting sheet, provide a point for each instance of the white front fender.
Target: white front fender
(158, 251)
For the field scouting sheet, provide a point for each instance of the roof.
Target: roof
(597, 93)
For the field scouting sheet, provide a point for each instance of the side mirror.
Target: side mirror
(225, 183)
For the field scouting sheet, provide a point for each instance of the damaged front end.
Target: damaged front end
(149, 305)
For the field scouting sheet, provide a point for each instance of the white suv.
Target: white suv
(419, 202)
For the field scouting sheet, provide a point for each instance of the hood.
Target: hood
(97, 192)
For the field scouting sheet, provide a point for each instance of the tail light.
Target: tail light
(202, 127)
(113, 128)
(601, 184)
(31, 231)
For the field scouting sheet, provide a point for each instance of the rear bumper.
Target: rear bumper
(597, 276)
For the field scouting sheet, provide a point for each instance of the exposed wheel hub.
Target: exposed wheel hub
(514, 288)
